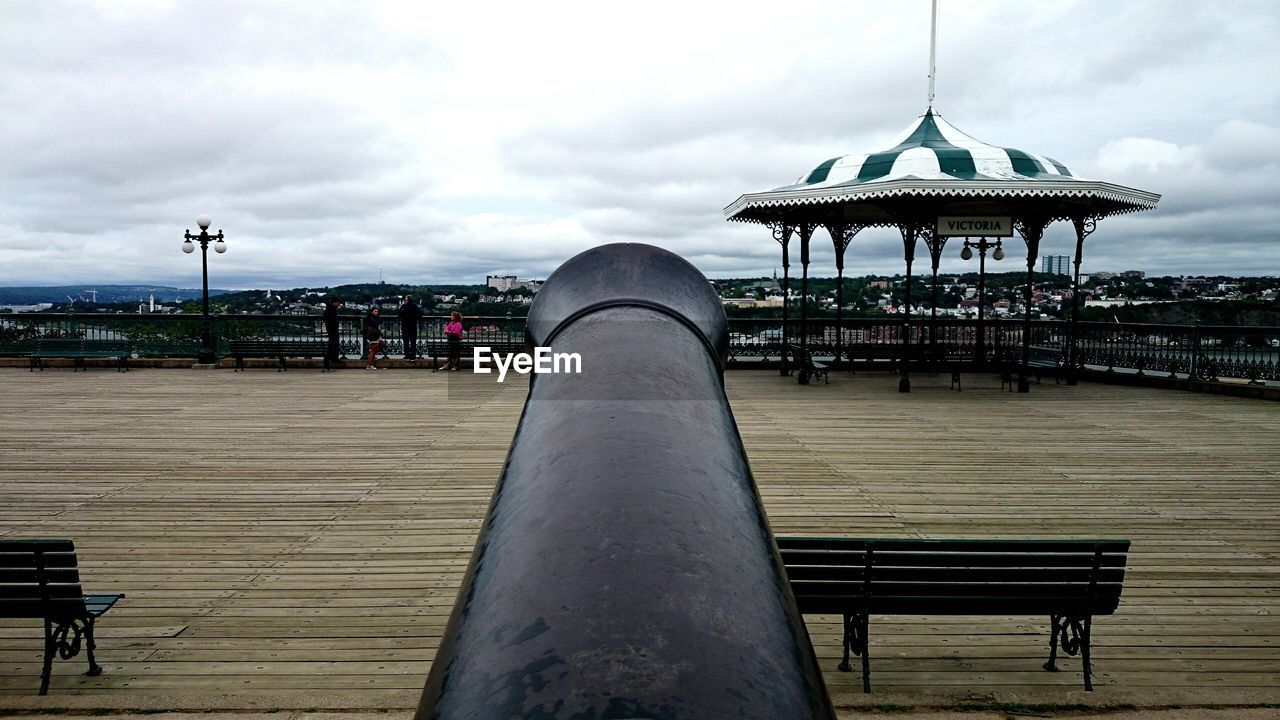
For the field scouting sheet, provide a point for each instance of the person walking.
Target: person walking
(331, 328)
(453, 335)
(373, 335)
(410, 315)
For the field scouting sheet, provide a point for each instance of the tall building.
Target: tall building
(1055, 265)
(503, 283)
(507, 283)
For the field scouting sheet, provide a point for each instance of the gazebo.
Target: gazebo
(935, 182)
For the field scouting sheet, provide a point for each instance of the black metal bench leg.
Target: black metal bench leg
(848, 640)
(1084, 654)
(1072, 632)
(94, 667)
(855, 641)
(48, 657)
(865, 642)
(1052, 663)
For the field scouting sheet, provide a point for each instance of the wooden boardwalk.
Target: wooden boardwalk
(296, 540)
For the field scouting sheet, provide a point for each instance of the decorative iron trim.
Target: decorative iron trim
(1128, 199)
(1068, 631)
(65, 648)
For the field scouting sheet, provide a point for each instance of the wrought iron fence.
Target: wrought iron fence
(1197, 352)
(179, 335)
(1191, 351)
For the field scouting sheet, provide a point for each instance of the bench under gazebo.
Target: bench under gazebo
(935, 182)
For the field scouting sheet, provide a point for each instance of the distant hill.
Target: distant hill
(104, 293)
(1247, 313)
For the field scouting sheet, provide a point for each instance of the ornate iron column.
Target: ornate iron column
(841, 235)
(782, 234)
(1031, 228)
(935, 244)
(910, 231)
(1084, 225)
(806, 232)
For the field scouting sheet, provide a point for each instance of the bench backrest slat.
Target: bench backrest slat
(959, 605)
(82, 344)
(34, 590)
(274, 345)
(928, 558)
(946, 574)
(950, 545)
(18, 575)
(824, 588)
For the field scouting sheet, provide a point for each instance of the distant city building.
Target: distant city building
(774, 301)
(38, 307)
(1055, 265)
(1133, 274)
(507, 283)
(501, 283)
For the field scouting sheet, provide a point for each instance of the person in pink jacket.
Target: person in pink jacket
(453, 335)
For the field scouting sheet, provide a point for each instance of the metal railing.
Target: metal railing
(179, 335)
(1185, 351)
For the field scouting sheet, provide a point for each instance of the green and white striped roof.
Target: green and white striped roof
(933, 149)
(933, 158)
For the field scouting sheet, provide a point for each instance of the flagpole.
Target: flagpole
(933, 51)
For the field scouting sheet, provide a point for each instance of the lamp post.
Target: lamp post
(982, 244)
(206, 356)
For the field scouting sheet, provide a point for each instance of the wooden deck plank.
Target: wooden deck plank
(288, 534)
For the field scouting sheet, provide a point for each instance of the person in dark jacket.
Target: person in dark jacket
(373, 335)
(331, 327)
(410, 315)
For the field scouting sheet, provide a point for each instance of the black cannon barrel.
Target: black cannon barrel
(626, 568)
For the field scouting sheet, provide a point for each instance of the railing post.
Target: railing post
(1194, 371)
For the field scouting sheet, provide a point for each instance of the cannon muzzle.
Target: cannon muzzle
(626, 568)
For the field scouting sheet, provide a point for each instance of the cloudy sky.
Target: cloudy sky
(436, 142)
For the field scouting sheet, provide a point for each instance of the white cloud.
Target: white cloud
(442, 142)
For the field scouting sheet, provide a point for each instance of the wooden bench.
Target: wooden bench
(20, 347)
(935, 358)
(1070, 581)
(279, 349)
(78, 349)
(38, 579)
(1046, 360)
(439, 347)
(807, 367)
(1040, 360)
